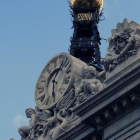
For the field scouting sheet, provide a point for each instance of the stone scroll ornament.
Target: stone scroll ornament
(124, 43)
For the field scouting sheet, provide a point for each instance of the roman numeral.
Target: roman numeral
(66, 80)
(60, 60)
(41, 98)
(68, 70)
(65, 62)
(62, 90)
(43, 78)
(47, 101)
(55, 62)
(47, 69)
(41, 90)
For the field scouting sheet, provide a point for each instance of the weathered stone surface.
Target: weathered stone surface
(49, 121)
(57, 79)
(125, 39)
(121, 97)
(125, 124)
(91, 109)
(88, 86)
(124, 48)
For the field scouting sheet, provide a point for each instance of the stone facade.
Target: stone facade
(100, 105)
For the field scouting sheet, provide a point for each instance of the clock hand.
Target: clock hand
(59, 69)
(53, 93)
(53, 81)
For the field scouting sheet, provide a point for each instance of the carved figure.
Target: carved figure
(45, 124)
(123, 46)
(88, 86)
(42, 115)
(62, 119)
(57, 124)
(128, 48)
(41, 118)
(109, 62)
(24, 131)
(124, 43)
(48, 126)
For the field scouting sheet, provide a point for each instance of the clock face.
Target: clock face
(53, 81)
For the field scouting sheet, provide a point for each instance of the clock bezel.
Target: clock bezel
(45, 107)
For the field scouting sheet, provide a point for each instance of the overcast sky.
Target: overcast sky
(31, 33)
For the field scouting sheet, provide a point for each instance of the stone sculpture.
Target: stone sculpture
(49, 122)
(124, 43)
(35, 128)
(45, 124)
(62, 119)
(88, 86)
(41, 118)
(56, 125)
(48, 126)
(28, 131)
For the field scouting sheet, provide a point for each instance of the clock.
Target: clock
(56, 79)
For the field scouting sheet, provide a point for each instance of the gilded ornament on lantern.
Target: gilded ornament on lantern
(87, 4)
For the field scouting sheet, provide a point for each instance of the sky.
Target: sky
(31, 33)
